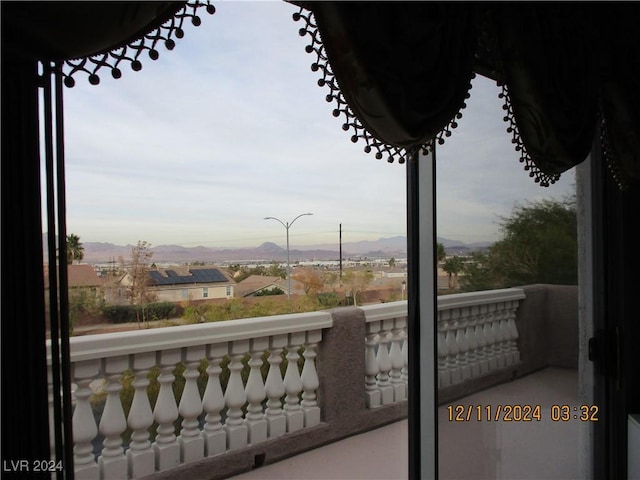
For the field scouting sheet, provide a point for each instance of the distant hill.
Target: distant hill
(101, 252)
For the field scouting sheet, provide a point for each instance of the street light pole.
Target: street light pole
(287, 225)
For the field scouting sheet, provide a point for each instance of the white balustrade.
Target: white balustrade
(125, 446)
(385, 359)
(476, 335)
(397, 360)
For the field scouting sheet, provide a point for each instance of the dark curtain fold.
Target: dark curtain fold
(620, 93)
(25, 421)
(549, 67)
(404, 68)
(66, 30)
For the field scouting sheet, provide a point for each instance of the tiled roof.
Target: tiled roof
(253, 283)
(83, 276)
(194, 275)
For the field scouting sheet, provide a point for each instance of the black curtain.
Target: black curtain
(404, 70)
(25, 421)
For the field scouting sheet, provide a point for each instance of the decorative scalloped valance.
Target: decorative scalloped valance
(131, 51)
(91, 36)
(391, 106)
(399, 74)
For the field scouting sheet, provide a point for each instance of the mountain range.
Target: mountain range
(100, 252)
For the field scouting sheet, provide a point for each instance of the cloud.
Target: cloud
(230, 127)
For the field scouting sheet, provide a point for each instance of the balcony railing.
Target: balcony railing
(240, 393)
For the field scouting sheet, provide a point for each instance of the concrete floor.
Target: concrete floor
(544, 450)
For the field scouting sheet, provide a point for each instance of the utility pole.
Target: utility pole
(340, 254)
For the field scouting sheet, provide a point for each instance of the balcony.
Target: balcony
(488, 450)
(220, 399)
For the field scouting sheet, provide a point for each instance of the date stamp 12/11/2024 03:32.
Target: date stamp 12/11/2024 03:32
(522, 413)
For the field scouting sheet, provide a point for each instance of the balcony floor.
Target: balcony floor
(467, 450)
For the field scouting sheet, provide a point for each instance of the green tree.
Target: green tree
(453, 266)
(440, 252)
(311, 280)
(75, 250)
(539, 245)
(139, 273)
(277, 270)
(83, 300)
(270, 291)
(357, 282)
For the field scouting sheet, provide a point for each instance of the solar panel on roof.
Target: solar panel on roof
(204, 275)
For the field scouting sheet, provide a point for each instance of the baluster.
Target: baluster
(472, 341)
(84, 424)
(140, 455)
(372, 392)
(452, 353)
(472, 344)
(274, 387)
(384, 362)
(190, 407)
(405, 360)
(112, 462)
(215, 438)
(310, 380)
(503, 335)
(487, 328)
(497, 337)
(513, 337)
(462, 357)
(481, 353)
(397, 362)
(234, 397)
(255, 393)
(293, 383)
(444, 374)
(165, 413)
(468, 341)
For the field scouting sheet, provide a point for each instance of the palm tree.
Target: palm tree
(75, 250)
(453, 266)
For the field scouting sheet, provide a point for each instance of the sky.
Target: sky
(231, 127)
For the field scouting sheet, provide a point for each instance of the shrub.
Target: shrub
(120, 313)
(127, 313)
(160, 310)
(328, 299)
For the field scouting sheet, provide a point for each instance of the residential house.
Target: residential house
(84, 276)
(184, 283)
(79, 276)
(254, 284)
